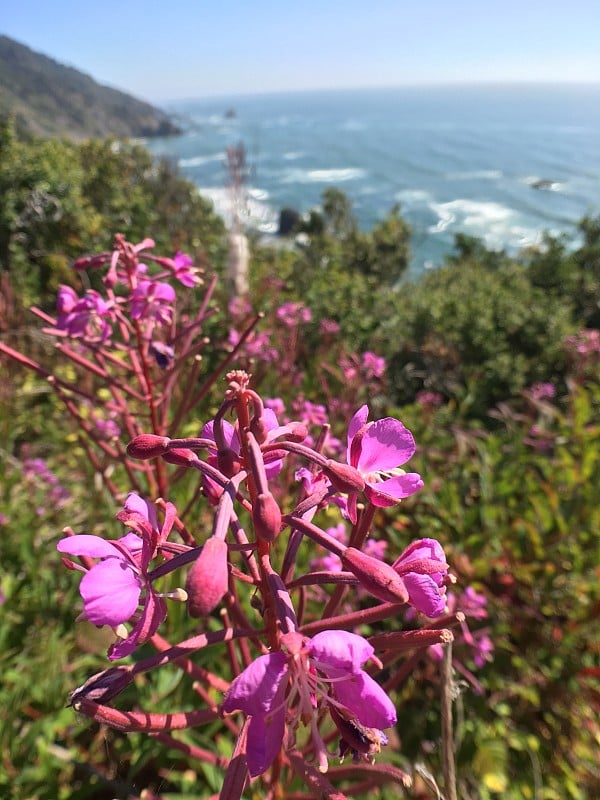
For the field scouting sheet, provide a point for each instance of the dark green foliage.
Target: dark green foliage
(521, 517)
(572, 274)
(60, 199)
(473, 329)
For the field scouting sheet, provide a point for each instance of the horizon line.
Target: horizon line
(458, 84)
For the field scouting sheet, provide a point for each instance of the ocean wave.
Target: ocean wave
(323, 175)
(293, 155)
(474, 174)
(198, 161)
(497, 225)
(410, 196)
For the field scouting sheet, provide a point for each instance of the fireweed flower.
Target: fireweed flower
(322, 672)
(184, 270)
(152, 301)
(423, 568)
(373, 365)
(377, 450)
(87, 318)
(257, 346)
(292, 314)
(112, 589)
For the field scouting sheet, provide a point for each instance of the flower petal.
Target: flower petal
(387, 493)
(84, 544)
(365, 698)
(386, 444)
(424, 594)
(265, 737)
(155, 611)
(110, 592)
(342, 650)
(229, 434)
(136, 503)
(254, 690)
(358, 421)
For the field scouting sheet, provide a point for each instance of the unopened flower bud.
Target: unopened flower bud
(147, 445)
(266, 516)
(343, 477)
(103, 686)
(208, 578)
(259, 429)
(297, 432)
(228, 461)
(180, 456)
(378, 578)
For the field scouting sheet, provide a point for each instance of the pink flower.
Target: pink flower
(423, 569)
(276, 405)
(329, 327)
(153, 302)
(373, 365)
(429, 399)
(83, 318)
(325, 672)
(257, 345)
(292, 314)
(377, 450)
(542, 391)
(112, 589)
(185, 272)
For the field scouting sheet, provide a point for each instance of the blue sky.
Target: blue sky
(191, 48)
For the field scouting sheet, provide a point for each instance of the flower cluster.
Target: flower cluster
(303, 676)
(276, 554)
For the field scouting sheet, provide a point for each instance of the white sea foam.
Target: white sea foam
(323, 175)
(413, 196)
(257, 194)
(198, 161)
(293, 155)
(498, 225)
(474, 174)
(252, 211)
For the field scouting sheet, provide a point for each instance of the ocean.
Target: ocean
(503, 163)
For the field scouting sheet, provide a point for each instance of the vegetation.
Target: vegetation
(49, 99)
(492, 361)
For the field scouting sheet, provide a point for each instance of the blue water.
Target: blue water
(460, 159)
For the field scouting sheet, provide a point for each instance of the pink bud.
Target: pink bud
(180, 456)
(147, 445)
(266, 516)
(259, 429)
(207, 580)
(103, 686)
(228, 461)
(297, 432)
(378, 578)
(91, 262)
(343, 477)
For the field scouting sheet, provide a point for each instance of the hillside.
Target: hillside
(50, 99)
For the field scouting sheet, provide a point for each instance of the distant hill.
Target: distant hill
(50, 99)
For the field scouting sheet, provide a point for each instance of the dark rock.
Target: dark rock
(289, 221)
